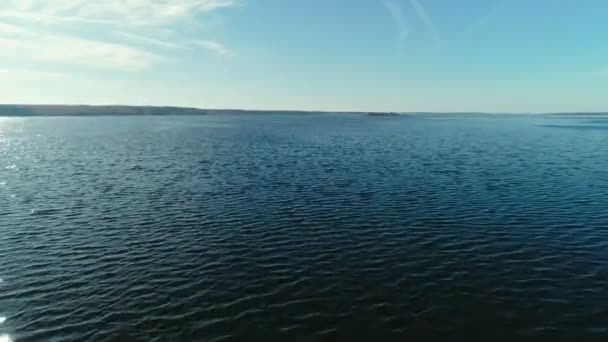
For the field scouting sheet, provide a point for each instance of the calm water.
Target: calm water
(302, 228)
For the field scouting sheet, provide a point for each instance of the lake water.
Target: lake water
(303, 228)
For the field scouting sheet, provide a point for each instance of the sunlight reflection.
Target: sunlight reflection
(2, 319)
(5, 338)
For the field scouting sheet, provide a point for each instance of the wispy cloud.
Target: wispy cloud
(149, 41)
(117, 35)
(21, 73)
(46, 18)
(216, 48)
(498, 7)
(398, 17)
(65, 50)
(8, 29)
(427, 20)
(153, 12)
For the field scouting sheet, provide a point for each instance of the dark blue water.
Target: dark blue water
(303, 228)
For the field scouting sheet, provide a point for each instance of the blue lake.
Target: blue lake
(303, 228)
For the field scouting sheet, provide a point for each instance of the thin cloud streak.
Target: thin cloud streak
(78, 32)
(9, 29)
(150, 41)
(46, 18)
(396, 13)
(135, 12)
(498, 7)
(216, 48)
(427, 20)
(67, 50)
(33, 74)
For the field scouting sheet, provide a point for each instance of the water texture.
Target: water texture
(303, 228)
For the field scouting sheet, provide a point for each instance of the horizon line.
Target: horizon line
(298, 110)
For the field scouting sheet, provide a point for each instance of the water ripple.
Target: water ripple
(302, 228)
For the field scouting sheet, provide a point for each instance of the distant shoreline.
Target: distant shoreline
(18, 110)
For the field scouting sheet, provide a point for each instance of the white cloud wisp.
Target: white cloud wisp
(151, 12)
(216, 48)
(112, 35)
(398, 17)
(426, 19)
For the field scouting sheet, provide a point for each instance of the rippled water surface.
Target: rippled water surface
(303, 228)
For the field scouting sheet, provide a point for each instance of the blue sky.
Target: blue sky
(397, 55)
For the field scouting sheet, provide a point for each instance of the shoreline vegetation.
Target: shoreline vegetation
(382, 114)
(126, 110)
(17, 110)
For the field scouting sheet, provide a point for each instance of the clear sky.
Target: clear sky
(397, 55)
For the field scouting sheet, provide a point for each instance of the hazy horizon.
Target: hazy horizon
(290, 109)
(286, 110)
